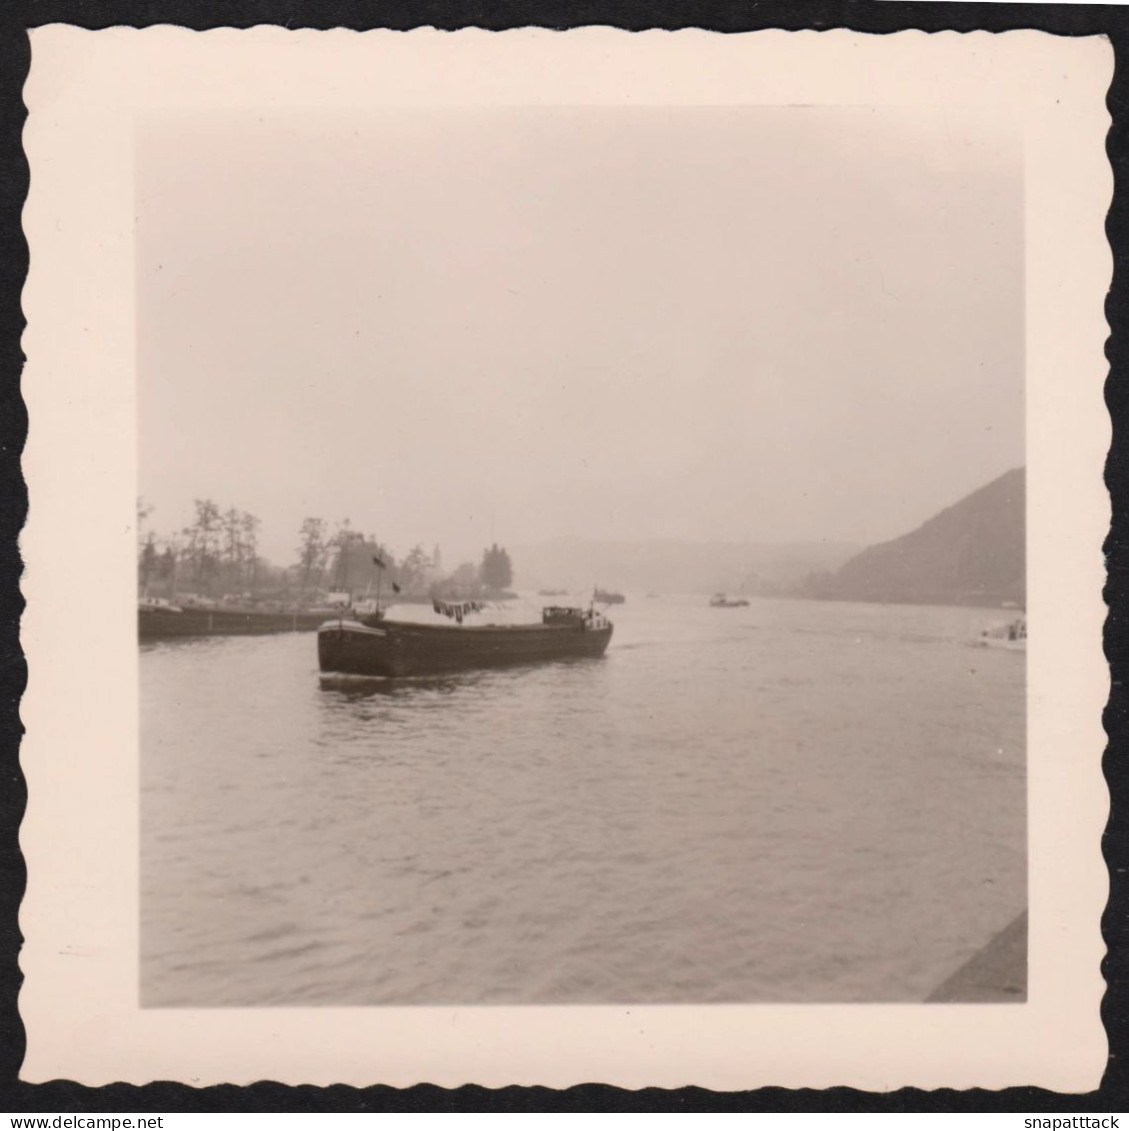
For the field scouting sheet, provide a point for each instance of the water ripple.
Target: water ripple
(791, 801)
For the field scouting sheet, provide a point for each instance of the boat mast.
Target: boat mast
(380, 567)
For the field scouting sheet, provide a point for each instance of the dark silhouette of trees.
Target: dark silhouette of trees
(148, 561)
(463, 584)
(313, 548)
(203, 542)
(496, 570)
(415, 570)
(147, 543)
(166, 564)
(249, 526)
(354, 569)
(217, 553)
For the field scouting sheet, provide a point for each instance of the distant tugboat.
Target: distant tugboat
(374, 646)
(606, 597)
(721, 601)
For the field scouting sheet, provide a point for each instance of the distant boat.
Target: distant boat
(158, 619)
(721, 601)
(375, 646)
(552, 592)
(157, 605)
(606, 597)
(1011, 636)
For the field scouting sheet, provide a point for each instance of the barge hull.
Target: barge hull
(392, 648)
(167, 625)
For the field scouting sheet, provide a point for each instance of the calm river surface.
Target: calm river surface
(794, 801)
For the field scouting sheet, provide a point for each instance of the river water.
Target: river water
(793, 801)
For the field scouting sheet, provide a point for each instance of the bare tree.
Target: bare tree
(148, 561)
(232, 548)
(339, 544)
(311, 547)
(204, 536)
(144, 510)
(146, 544)
(250, 536)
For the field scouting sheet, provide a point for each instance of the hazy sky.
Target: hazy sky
(771, 324)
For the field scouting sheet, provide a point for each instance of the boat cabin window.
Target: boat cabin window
(559, 614)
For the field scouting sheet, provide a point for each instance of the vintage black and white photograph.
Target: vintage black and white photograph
(574, 547)
(581, 557)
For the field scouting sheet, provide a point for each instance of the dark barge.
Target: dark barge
(169, 622)
(375, 646)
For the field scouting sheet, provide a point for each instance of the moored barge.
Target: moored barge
(165, 621)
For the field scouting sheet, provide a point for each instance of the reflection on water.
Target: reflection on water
(364, 687)
(791, 801)
(415, 687)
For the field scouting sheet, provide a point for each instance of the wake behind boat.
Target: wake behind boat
(375, 646)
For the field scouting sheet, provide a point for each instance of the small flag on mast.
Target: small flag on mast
(395, 587)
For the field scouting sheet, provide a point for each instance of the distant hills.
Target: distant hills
(661, 565)
(972, 553)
